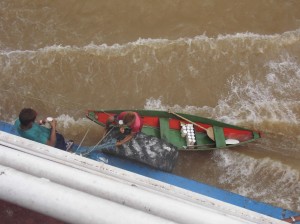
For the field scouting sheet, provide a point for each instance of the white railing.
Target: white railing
(75, 189)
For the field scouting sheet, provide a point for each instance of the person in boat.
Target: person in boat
(127, 120)
(28, 128)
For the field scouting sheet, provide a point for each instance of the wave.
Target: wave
(273, 98)
(250, 94)
(259, 178)
(289, 37)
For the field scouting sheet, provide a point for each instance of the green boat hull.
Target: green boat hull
(167, 126)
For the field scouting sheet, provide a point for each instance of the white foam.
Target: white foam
(285, 38)
(66, 120)
(258, 178)
(157, 104)
(275, 99)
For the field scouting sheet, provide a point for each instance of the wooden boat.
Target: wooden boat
(170, 126)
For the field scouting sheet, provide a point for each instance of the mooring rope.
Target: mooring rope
(88, 152)
(83, 138)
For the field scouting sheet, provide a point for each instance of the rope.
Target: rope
(83, 138)
(88, 152)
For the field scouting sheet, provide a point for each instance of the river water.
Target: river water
(234, 61)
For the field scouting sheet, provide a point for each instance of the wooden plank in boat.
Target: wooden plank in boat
(219, 136)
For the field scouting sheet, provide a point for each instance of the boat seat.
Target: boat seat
(164, 128)
(219, 137)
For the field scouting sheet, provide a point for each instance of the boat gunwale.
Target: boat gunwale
(194, 118)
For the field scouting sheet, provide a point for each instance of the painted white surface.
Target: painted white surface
(64, 203)
(101, 181)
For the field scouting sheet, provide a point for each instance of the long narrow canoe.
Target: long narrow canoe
(169, 126)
